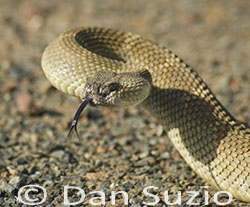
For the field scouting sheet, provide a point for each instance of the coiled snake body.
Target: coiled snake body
(118, 69)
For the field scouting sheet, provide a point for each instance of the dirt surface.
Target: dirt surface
(124, 150)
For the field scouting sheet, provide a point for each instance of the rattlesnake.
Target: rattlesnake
(116, 69)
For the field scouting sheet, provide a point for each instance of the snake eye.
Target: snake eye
(107, 89)
(114, 86)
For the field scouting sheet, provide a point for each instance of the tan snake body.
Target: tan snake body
(213, 143)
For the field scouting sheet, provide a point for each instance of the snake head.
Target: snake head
(109, 89)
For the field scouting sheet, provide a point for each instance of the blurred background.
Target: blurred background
(118, 150)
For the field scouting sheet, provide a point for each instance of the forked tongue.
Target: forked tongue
(77, 115)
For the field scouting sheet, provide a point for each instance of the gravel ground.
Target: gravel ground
(118, 150)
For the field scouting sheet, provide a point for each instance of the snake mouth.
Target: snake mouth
(77, 115)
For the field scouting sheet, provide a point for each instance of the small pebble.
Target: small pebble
(96, 176)
(36, 175)
(5, 187)
(58, 154)
(8, 86)
(15, 181)
(25, 104)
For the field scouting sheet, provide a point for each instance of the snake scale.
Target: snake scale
(118, 69)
